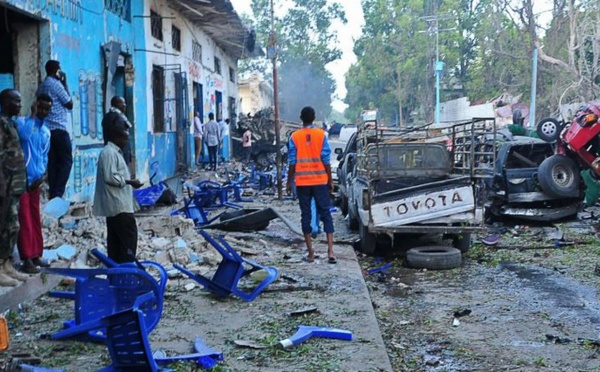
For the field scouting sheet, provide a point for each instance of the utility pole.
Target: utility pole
(433, 28)
(272, 55)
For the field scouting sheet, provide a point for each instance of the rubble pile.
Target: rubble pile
(163, 239)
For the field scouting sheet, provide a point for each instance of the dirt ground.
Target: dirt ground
(527, 305)
(531, 306)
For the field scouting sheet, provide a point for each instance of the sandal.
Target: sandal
(29, 268)
(332, 260)
(39, 262)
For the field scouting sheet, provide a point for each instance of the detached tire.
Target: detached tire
(368, 241)
(433, 258)
(548, 129)
(559, 177)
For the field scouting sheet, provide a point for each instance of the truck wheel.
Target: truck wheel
(351, 219)
(433, 258)
(548, 129)
(559, 177)
(368, 241)
(462, 242)
(344, 205)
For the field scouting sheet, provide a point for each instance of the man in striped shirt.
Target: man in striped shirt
(60, 157)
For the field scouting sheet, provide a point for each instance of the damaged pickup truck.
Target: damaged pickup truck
(515, 191)
(407, 185)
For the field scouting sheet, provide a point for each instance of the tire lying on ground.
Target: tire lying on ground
(433, 258)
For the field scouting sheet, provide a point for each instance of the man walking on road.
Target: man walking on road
(60, 157)
(13, 183)
(309, 164)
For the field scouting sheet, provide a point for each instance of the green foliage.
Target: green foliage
(397, 53)
(305, 44)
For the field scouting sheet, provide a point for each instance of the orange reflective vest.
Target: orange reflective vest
(310, 169)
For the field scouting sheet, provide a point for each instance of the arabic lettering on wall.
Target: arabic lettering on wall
(67, 9)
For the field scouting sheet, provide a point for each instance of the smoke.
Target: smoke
(304, 84)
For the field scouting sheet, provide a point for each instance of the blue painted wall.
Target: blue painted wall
(73, 31)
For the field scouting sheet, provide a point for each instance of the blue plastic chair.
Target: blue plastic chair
(144, 265)
(129, 348)
(231, 270)
(102, 292)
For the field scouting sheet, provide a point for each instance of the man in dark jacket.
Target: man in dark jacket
(116, 117)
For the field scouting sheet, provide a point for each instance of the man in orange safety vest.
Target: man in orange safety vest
(309, 156)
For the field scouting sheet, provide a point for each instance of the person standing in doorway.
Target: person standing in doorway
(35, 141)
(224, 139)
(13, 183)
(114, 197)
(247, 145)
(309, 159)
(198, 133)
(116, 116)
(211, 131)
(60, 157)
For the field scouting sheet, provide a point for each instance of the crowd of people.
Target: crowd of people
(37, 148)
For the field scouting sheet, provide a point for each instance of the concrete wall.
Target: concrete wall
(77, 33)
(163, 146)
(73, 33)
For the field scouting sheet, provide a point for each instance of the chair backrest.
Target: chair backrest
(127, 341)
(117, 290)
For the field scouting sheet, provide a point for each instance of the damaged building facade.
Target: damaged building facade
(167, 58)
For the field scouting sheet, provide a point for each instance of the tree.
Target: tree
(396, 56)
(306, 45)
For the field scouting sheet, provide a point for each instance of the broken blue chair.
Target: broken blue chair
(102, 292)
(194, 209)
(129, 348)
(144, 265)
(231, 270)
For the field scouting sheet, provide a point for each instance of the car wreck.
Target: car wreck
(514, 190)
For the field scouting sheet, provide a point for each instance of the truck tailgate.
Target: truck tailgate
(422, 203)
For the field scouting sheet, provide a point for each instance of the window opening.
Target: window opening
(176, 38)
(121, 8)
(196, 51)
(158, 96)
(217, 66)
(156, 25)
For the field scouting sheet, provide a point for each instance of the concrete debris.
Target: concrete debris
(56, 208)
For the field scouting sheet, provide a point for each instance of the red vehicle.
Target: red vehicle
(577, 147)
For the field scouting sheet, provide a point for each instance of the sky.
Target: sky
(346, 35)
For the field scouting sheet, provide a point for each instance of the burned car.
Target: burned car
(514, 190)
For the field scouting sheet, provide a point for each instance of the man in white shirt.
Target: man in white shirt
(114, 197)
(212, 133)
(198, 133)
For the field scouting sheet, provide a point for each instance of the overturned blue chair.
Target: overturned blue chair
(129, 348)
(102, 292)
(231, 270)
(144, 265)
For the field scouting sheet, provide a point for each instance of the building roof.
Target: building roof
(221, 22)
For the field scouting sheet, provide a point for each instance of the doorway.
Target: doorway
(198, 99)
(219, 104)
(20, 48)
